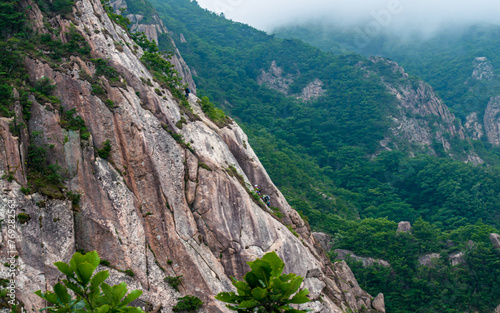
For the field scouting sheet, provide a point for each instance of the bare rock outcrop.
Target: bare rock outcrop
(378, 303)
(404, 227)
(275, 78)
(344, 254)
(312, 91)
(492, 121)
(495, 240)
(428, 259)
(482, 69)
(457, 258)
(474, 127)
(153, 30)
(156, 207)
(325, 240)
(421, 118)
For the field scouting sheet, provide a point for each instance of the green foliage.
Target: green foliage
(216, 115)
(23, 218)
(104, 69)
(142, 40)
(44, 86)
(188, 304)
(265, 289)
(89, 292)
(129, 272)
(204, 166)
(74, 197)
(42, 176)
(75, 44)
(71, 121)
(174, 281)
(56, 6)
(26, 190)
(12, 17)
(117, 18)
(105, 151)
(410, 287)
(97, 89)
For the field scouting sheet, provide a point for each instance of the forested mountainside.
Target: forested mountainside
(100, 150)
(358, 144)
(461, 63)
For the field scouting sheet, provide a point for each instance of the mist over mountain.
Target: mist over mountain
(399, 16)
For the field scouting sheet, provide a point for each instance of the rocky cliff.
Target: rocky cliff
(421, 119)
(170, 197)
(483, 84)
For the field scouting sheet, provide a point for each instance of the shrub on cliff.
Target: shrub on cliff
(264, 289)
(92, 294)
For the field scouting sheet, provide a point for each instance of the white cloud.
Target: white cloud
(420, 14)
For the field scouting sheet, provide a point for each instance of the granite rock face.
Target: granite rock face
(155, 207)
(344, 254)
(421, 118)
(482, 69)
(153, 31)
(495, 240)
(404, 227)
(492, 121)
(428, 259)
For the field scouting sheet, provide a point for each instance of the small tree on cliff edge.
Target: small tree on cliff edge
(265, 290)
(92, 293)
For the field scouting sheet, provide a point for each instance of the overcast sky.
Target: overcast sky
(391, 14)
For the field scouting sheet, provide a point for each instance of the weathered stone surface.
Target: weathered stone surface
(149, 208)
(325, 240)
(497, 310)
(275, 78)
(349, 287)
(457, 258)
(492, 121)
(344, 254)
(474, 127)
(312, 91)
(421, 118)
(483, 69)
(404, 227)
(379, 303)
(495, 240)
(428, 259)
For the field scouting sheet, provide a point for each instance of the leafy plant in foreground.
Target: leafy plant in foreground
(92, 294)
(264, 289)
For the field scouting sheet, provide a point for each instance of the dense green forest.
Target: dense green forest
(444, 59)
(320, 154)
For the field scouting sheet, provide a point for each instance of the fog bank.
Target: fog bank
(391, 15)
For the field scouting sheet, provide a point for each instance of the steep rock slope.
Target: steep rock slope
(158, 205)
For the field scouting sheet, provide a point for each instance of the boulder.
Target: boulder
(325, 240)
(367, 261)
(495, 240)
(379, 303)
(427, 259)
(457, 258)
(404, 227)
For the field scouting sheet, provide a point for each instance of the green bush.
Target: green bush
(188, 303)
(174, 281)
(105, 152)
(215, 114)
(265, 289)
(23, 218)
(88, 290)
(71, 121)
(44, 86)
